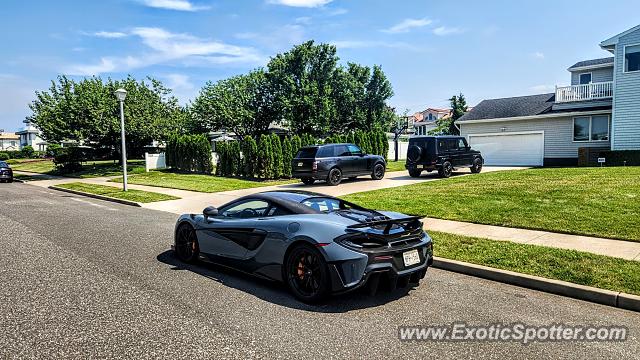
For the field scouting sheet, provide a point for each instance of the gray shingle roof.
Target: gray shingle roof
(594, 62)
(510, 107)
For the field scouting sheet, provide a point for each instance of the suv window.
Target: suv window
(462, 144)
(342, 150)
(3, 164)
(308, 153)
(354, 150)
(442, 145)
(326, 151)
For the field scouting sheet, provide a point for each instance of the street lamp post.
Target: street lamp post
(121, 94)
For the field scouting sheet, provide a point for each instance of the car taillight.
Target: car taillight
(314, 167)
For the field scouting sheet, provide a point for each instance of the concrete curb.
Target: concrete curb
(95, 196)
(600, 296)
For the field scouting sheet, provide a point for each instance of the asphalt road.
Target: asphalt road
(87, 278)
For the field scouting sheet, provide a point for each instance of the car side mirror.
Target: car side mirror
(210, 211)
(468, 148)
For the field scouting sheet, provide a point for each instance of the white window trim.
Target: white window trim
(585, 73)
(573, 135)
(624, 60)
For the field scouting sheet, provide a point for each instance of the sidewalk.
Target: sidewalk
(615, 248)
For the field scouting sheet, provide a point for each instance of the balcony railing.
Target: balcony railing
(593, 91)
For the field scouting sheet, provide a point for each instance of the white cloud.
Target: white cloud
(166, 47)
(361, 44)
(538, 55)
(300, 3)
(180, 5)
(542, 88)
(304, 20)
(407, 24)
(277, 39)
(443, 30)
(181, 85)
(109, 34)
(338, 11)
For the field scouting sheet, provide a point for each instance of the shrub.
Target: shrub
(191, 153)
(276, 147)
(4, 156)
(618, 158)
(51, 150)
(287, 157)
(27, 152)
(68, 159)
(249, 153)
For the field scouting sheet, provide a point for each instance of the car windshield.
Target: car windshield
(325, 205)
(3, 164)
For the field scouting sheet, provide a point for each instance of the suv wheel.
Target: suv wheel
(378, 172)
(445, 170)
(415, 173)
(335, 176)
(477, 166)
(308, 181)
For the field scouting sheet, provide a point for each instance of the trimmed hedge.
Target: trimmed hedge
(618, 158)
(69, 159)
(190, 153)
(270, 156)
(4, 156)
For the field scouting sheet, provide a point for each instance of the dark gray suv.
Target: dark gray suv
(333, 162)
(6, 174)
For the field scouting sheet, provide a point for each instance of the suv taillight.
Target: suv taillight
(314, 167)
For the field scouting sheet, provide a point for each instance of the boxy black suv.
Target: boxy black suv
(333, 162)
(442, 153)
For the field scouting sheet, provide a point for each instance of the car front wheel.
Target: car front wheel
(334, 177)
(307, 274)
(477, 166)
(445, 170)
(187, 247)
(378, 172)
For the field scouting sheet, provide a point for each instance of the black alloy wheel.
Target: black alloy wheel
(477, 166)
(334, 177)
(378, 172)
(187, 247)
(446, 169)
(307, 274)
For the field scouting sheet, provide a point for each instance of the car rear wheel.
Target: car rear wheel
(308, 181)
(477, 166)
(187, 247)
(415, 173)
(307, 274)
(445, 170)
(378, 172)
(334, 177)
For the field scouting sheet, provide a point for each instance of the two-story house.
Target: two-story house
(9, 141)
(428, 121)
(599, 110)
(30, 136)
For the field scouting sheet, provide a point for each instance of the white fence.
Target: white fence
(154, 161)
(593, 91)
(402, 150)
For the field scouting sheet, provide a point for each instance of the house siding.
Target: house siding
(597, 75)
(626, 99)
(558, 134)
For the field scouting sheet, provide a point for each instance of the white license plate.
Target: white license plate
(300, 164)
(411, 258)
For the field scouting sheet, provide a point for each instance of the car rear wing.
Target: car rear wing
(403, 222)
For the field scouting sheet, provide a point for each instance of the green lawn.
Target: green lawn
(567, 265)
(198, 182)
(396, 165)
(115, 192)
(602, 202)
(89, 169)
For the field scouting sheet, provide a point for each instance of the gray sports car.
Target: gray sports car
(315, 243)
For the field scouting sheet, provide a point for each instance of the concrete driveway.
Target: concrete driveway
(193, 202)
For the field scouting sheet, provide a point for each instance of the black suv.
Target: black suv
(442, 153)
(333, 162)
(6, 174)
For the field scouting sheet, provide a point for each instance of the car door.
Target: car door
(359, 162)
(466, 158)
(344, 158)
(452, 151)
(233, 232)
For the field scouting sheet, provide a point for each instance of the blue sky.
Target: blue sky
(429, 49)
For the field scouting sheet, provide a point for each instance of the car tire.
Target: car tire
(477, 166)
(308, 181)
(415, 173)
(334, 177)
(414, 153)
(306, 274)
(378, 171)
(187, 248)
(10, 180)
(445, 170)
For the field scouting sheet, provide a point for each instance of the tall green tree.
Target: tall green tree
(446, 126)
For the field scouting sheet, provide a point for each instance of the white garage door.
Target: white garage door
(518, 149)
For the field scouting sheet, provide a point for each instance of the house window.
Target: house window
(430, 116)
(632, 58)
(585, 78)
(591, 128)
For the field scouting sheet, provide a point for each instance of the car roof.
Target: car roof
(321, 145)
(287, 199)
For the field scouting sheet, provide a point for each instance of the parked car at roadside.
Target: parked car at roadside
(441, 153)
(6, 174)
(333, 162)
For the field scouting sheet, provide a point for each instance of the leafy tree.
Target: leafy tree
(250, 153)
(278, 166)
(287, 157)
(378, 91)
(264, 155)
(244, 104)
